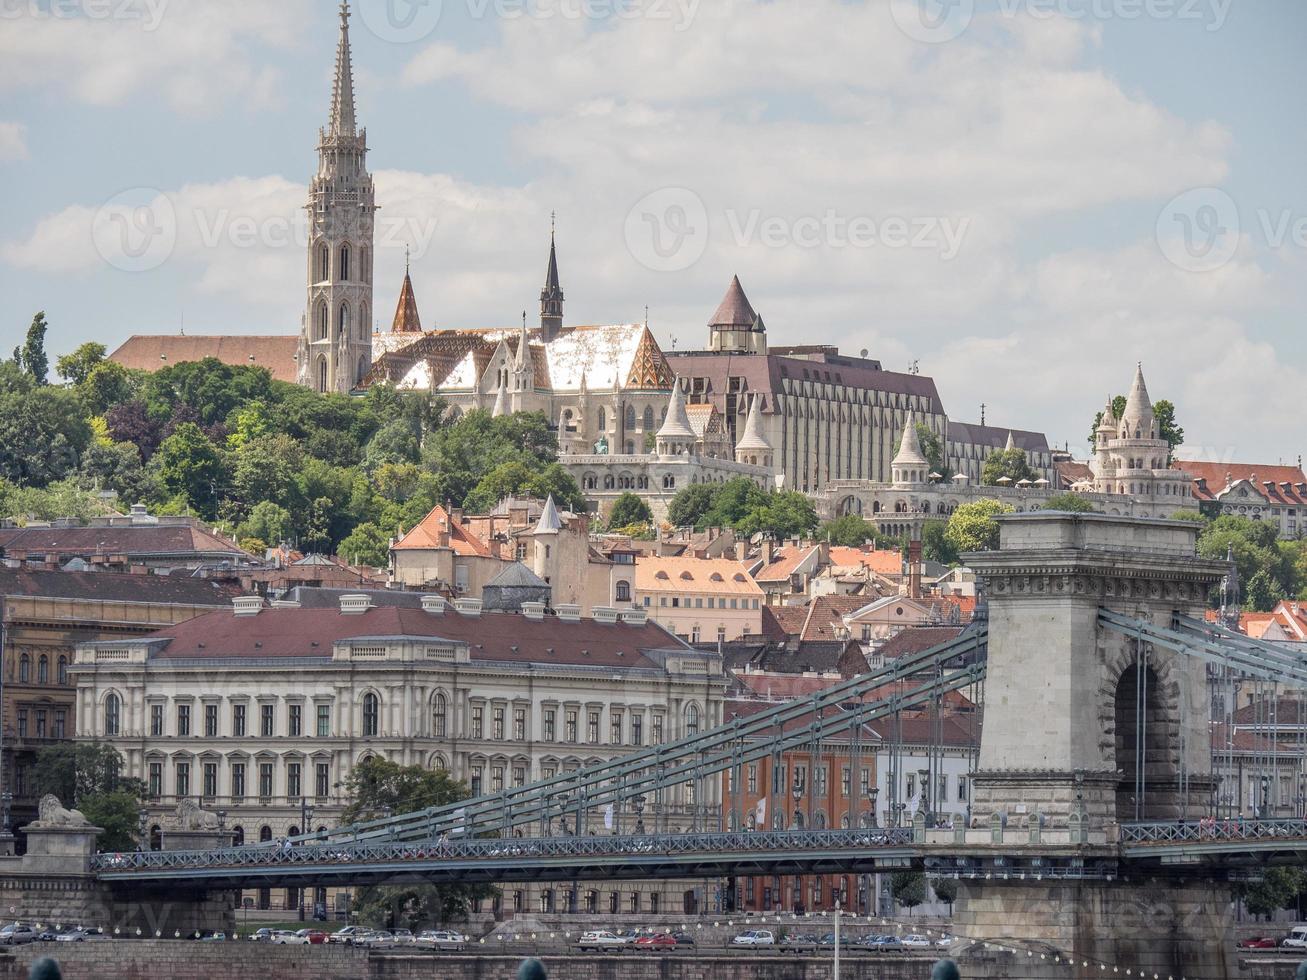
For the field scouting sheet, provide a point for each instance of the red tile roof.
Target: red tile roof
(917, 639)
(887, 562)
(784, 562)
(493, 636)
(152, 352)
(428, 534)
(1276, 484)
(917, 728)
(784, 622)
(117, 587)
(826, 615)
(135, 541)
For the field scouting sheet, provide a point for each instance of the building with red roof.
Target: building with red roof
(1260, 492)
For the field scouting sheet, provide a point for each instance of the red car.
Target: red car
(1258, 942)
(316, 937)
(657, 941)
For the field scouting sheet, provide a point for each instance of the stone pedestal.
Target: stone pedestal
(1171, 928)
(56, 849)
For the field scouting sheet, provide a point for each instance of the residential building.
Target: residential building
(1276, 494)
(705, 600)
(260, 711)
(785, 570)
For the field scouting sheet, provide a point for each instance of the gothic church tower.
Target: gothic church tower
(335, 349)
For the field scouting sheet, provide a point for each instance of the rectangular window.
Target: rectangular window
(519, 724)
(497, 779)
(657, 730)
(267, 720)
(844, 781)
(478, 721)
(962, 789)
(569, 734)
(238, 720)
(156, 719)
(238, 780)
(911, 789)
(60, 723)
(730, 780)
(182, 784)
(324, 721)
(819, 780)
(295, 720)
(293, 780)
(474, 784)
(753, 777)
(615, 728)
(40, 723)
(498, 722)
(22, 723)
(592, 727)
(637, 729)
(156, 780)
(210, 720)
(550, 716)
(183, 719)
(941, 796)
(323, 780)
(519, 776)
(548, 772)
(265, 780)
(864, 783)
(211, 779)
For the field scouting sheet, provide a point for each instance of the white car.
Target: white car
(599, 940)
(346, 934)
(1297, 938)
(284, 937)
(755, 937)
(916, 941)
(402, 937)
(375, 940)
(442, 939)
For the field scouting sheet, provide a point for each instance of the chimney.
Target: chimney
(534, 611)
(914, 569)
(741, 550)
(434, 604)
(468, 607)
(568, 613)
(354, 605)
(766, 552)
(247, 605)
(605, 614)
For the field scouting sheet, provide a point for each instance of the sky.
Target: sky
(1022, 198)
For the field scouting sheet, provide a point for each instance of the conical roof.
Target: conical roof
(1011, 443)
(909, 453)
(517, 576)
(550, 522)
(734, 310)
(1109, 415)
(753, 439)
(406, 313)
(1138, 406)
(342, 92)
(676, 427)
(501, 401)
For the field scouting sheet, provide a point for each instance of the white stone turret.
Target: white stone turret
(1138, 420)
(910, 466)
(753, 447)
(501, 400)
(676, 435)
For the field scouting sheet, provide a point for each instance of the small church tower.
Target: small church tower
(335, 348)
(551, 298)
(735, 327)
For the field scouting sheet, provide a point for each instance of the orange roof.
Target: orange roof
(152, 352)
(430, 532)
(721, 575)
(1217, 476)
(784, 562)
(882, 562)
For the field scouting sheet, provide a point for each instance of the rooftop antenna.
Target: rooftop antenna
(183, 327)
(983, 406)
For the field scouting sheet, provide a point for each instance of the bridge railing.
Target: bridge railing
(1212, 830)
(508, 849)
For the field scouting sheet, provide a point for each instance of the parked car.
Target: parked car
(263, 935)
(214, 937)
(683, 939)
(442, 939)
(915, 941)
(402, 937)
(17, 934)
(627, 936)
(284, 937)
(79, 935)
(657, 941)
(315, 937)
(755, 937)
(946, 941)
(376, 940)
(599, 940)
(888, 942)
(342, 935)
(1297, 938)
(1257, 942)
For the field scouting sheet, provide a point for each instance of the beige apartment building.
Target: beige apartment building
(702, 600)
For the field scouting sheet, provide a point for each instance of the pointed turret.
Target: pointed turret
(342, 122)
(736, 326)
(501, 401)
(753, 447)
(676, 432)
(909, 465)
(550, 522)
(1138, 415)
(1011, 443)
(551, 297)
(406, 313)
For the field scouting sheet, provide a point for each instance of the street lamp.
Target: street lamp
(142, 819)
(306, 817)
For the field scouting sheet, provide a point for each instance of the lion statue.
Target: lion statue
(52, 813)
(189, 816)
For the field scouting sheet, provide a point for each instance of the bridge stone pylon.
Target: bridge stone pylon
(1067, 703)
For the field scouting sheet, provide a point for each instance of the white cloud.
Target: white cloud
(13, 141)
(192, 53)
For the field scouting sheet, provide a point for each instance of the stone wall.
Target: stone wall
(238, 961)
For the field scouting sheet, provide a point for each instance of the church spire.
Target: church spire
(406, 313)
(551, 297)
(342, 92)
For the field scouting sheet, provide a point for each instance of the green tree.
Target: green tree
(932, 448)
(972, 526)
(781, 515)
(43, 430)
(189, 465)
(1070, 503)
(88, 776)
(520, 479)
(1010, 463)
(850, 531)
(1167, 428)
(1278, 889)
(1118, 409)
(946, 890)
(629, 511)
(691, 506)
(377, 785)
(935, 543)
(31, 357)
(463, 454)
(269, 522)
(367, 544)
(268, 468)
(734, 501)
(76, 367)
(908, 888)
(1268, 568)
(106, 385)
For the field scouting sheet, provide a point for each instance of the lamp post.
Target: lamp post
(306, 816)
(142, 820)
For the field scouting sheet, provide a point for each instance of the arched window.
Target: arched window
(24, 669)
(365, 322)
(371, 713)
(323, 270)
(324, 324)
(342, 322)
(43, 670)
(603, 418)
(364, 267)
(265, 834)
(362, 368)
(630, 416)
(623, 591)
(692, 720)
(322, 374)
(63, 670)
(438, 762)
(112, 714)
(439, 716)
(648, 418)
(344, 263)
(238, 836)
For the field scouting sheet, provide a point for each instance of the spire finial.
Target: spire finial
(342, 95)
(406, 257)
(553, 223)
